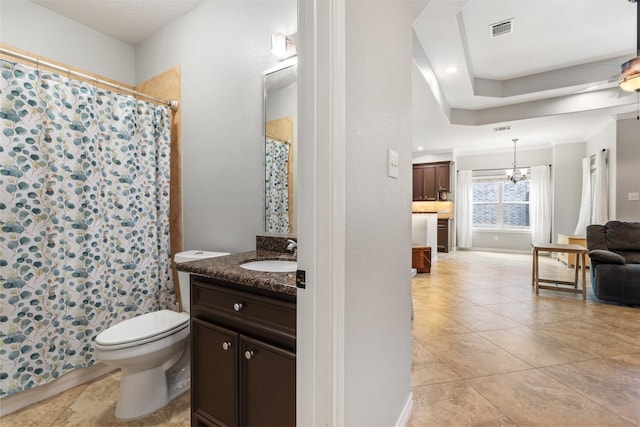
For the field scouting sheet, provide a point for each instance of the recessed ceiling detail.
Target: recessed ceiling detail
(562, 61)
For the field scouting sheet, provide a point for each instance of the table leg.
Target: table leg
(576, 268)
(536, 273)
(584, 276)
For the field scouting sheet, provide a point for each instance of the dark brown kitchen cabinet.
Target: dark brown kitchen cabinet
(443, 176)
(424, 178)
(243, 361)
(443, 235)
(429, 179)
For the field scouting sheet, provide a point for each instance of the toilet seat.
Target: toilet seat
(142, 329)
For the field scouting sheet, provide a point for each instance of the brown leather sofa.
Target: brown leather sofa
(614, 249)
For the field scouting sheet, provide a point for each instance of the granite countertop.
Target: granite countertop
(228, 268)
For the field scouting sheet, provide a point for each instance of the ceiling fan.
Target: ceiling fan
(629, 79)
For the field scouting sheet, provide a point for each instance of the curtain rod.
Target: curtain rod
(499, 169)
(172, 104)
(593, 155)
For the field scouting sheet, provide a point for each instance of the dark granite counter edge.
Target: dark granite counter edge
(227, 268)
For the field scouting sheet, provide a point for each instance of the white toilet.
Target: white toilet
(153, 352)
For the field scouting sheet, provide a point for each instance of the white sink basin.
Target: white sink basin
(271, 266)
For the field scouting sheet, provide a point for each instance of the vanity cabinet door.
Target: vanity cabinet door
(214, 357)
(267, 384)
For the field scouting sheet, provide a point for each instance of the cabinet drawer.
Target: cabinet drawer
(245, 312)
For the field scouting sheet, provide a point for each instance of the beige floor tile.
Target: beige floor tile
(613, 383)
(529, 315)
(454, 404)
(588, 338)
(477, 318)
(624, 326)
(45, 412)
(470, 355)
(427, 369)
(430, 323)
(486, 297)
(533, 398)
(431, 373)
(96, 406)
(535, 347)
(518, 293)
(181, 416)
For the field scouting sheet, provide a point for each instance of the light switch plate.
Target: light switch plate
(392, 163)
(633, 196)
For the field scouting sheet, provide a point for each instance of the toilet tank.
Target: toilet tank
(183, 277)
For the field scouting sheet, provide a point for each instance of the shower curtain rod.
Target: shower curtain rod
(288, 142)
(172, 104)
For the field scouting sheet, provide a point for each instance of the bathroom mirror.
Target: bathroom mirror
(280, 136)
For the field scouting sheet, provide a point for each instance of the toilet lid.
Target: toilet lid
(144, 328)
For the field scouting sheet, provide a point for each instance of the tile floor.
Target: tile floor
(486, 351)
(93, 404)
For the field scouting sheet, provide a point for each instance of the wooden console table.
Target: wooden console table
(580, 254)
(421, 258)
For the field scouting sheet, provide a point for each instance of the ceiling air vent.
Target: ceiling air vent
(501, 128)
(501, 28)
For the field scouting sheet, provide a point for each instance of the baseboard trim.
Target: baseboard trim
(403, 420)
(16, 401)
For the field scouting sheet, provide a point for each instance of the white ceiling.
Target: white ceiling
(130, 21)
(552, 80)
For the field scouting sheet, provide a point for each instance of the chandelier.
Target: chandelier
(630, 71)
(512, 174)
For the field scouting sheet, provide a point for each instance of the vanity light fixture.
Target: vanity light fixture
(282, 46)
(512, 174)
(630, 70)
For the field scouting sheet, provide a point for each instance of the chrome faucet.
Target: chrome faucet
(292, 247)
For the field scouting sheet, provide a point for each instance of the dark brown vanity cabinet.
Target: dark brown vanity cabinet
(429, 179)
(243, 361)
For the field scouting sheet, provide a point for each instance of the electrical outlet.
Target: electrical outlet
(633, 196)
(495, 238)
(392, 163)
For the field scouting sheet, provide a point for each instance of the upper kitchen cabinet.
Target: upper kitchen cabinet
(429, 179)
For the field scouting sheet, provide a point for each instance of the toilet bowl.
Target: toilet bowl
(152, 350)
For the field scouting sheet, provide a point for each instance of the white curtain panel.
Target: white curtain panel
(540, 204)
(600, 206)
(584, 218)
(465, 208)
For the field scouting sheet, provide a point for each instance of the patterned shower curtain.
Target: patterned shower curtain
(84, 211)
(277, 187)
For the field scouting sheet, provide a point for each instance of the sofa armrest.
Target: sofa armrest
(606, 257)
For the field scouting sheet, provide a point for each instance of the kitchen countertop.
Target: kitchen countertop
(228, 268)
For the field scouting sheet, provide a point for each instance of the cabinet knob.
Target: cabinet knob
(248, 354)
(226, 345)
(237, 306)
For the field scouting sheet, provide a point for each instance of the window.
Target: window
(500, 204)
